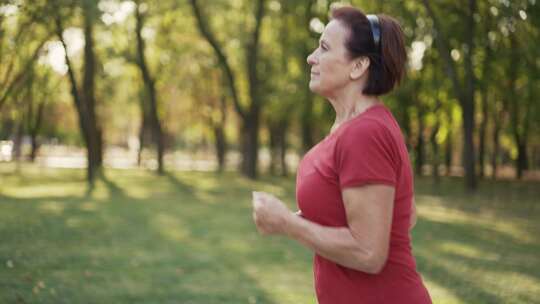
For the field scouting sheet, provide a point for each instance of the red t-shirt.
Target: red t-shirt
(368, 149)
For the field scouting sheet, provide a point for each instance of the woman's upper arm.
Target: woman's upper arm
(369, 211)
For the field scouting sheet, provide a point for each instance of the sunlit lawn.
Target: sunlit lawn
(188, 238)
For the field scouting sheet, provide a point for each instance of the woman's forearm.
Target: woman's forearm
(337, 244)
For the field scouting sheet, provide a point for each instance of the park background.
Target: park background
(133, 132)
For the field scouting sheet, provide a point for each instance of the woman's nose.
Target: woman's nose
(311, 59)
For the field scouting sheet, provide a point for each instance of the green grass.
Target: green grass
(187, 237)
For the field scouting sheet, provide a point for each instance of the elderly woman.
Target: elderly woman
(355, 187)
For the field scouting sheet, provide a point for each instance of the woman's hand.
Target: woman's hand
(270, 215)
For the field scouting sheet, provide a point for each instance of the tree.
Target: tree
(520, 116)
(250, 114)
(207, 90)
(35, 110)
(15, 59)
(464, 90)
(150, 89)
(84, 99)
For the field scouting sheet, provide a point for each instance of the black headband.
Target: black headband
(375, 30)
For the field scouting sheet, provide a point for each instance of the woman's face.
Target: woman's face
(330, 64)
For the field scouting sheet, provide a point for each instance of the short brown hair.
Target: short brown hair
(387, 64)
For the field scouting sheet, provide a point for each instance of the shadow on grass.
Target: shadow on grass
(114, 190)
(180, 186)
(478, 251)
(127, 252)
(502, 197)
(151, 249)
(465, 289)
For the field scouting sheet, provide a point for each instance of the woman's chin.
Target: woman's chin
(317, 89)
(314, 86)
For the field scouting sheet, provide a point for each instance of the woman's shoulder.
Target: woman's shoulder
(367, 135)
(374, 119)
(367, 128)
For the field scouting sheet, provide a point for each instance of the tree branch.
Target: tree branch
(444, 49)
(253, 54)
(20, 77)
(222, 59)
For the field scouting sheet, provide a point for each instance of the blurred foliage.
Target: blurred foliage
(189, 80)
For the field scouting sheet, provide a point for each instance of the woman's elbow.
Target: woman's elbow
(373, 263)
(378, 265)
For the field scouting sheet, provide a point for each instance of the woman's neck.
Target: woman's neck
(350, 104)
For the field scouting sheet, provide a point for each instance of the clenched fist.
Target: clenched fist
(270, 214)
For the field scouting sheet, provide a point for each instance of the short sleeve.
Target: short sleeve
(366, 154)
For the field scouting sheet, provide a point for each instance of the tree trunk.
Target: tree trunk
(433, 139)
(273, 148)
(468, 104)
(34, 131)
(496, 148)
(278, 147)
(149, 82)
(482, 135)
(521, 162)
(33, 118)
(34, 149)
(85, 103)
(252, 49)
(250, 145)
(142, 137)
(485, 83)
(464, 92)
(220, 146)
(468, 149)
(250, 116)
(520, 117)
(220, 140)
(448, 153)
(435, 151)
(94, 143)
(77, 99)
(535, 159)
(17, 141)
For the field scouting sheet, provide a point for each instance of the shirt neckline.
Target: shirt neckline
(331, 134)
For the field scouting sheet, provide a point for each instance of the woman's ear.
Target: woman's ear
(360, 66)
